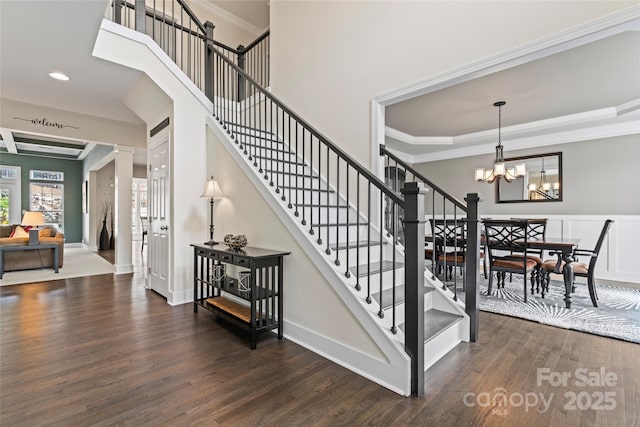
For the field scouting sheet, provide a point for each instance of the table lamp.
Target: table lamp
(33, 219)
(213, 192)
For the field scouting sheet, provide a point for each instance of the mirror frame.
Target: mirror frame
(534, 156)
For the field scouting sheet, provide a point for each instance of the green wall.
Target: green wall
(72, 187)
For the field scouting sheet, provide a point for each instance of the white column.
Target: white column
(123, 183)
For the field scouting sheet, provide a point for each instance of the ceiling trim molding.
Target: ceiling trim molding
(9, 142)
(588, 32)
(538, 126)
(228, 16)
(577, 135)
(417, 140)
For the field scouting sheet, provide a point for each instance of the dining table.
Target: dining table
(563, 247)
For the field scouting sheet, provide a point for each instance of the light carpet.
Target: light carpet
(78, 262)
(617, 314)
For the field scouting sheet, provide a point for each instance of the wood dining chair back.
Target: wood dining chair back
(581, 269)
(536, 231)
(504, 239)
(449, 237)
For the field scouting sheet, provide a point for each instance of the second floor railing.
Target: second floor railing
(178, 31)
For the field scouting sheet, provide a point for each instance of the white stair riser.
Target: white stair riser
(353, 258)
(438, 346)
(387, 278)
(334, 214)
(400, 308)
(329, 233)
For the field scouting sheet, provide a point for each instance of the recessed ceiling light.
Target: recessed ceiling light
(59, 76)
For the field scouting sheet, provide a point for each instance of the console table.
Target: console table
(251, 298)
(8, 248)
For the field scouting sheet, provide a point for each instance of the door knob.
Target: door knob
(164, 227)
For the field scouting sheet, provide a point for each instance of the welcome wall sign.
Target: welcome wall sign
(46, 123)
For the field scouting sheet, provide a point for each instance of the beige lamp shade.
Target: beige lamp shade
(32, 218)
(212, 190)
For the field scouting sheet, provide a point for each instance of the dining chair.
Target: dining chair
(536, 231)
(144, 222)
(504, 238)
(449, 240)
(580, 269)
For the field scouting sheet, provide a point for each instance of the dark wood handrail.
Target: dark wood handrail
(173, 24)
(385, 152)
(256, 41)
(192, 16)
(225, 47)
(383, 187)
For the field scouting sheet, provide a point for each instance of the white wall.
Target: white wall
(330, 58)
(227, 30)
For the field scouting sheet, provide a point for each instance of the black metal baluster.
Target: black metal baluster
(298, 188)
(444, 245)
(393, 262)
(433, 236)
(358, 287)
(380, 257)
(271, 138)
(455, 252)
(337, 261)
(348, 209)
(290, 180)
(319, 219)
(328, 219)
(368, 299)
(296, 213)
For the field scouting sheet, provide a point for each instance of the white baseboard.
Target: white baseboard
(181, 297)
(395, 378)
(123, 268)
(74, 245)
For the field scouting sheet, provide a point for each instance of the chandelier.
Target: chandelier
(544, 184)
(500, 170)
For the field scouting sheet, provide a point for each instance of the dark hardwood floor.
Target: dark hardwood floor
(103, 350)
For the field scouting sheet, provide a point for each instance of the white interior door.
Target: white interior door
(159, 233)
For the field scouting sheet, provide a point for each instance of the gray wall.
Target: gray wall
(599, 177)
(72, 187)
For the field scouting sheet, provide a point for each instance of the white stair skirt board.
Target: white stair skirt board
(330, 225)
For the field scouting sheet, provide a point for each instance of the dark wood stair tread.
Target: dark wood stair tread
(375, 267)
(435, 322)
(387, 295)
(354, 244)
(322, 190)
(341, 224)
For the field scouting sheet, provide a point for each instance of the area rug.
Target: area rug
(78, 262)
(617, 314)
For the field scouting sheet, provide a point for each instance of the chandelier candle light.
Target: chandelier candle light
(213, 192)
(500, 170)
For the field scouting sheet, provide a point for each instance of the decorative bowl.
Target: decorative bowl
(235, 242)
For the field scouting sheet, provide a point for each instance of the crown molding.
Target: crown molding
(531, 129)
(624, 20)
(577, 135)
(228, 16)
(416, 140)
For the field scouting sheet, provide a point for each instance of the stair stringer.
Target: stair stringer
(393, 373)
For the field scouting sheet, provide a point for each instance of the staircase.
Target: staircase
(369, 261)
(338, 206)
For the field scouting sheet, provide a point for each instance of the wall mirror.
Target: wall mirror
(541, 183)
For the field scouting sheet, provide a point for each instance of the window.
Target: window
(4, 206)
(48, 198)
(138, 206)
